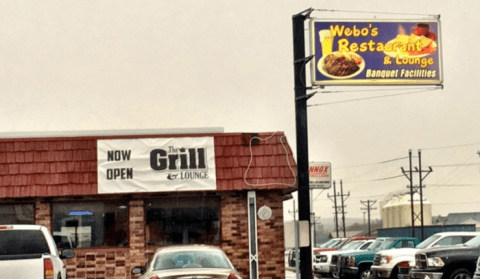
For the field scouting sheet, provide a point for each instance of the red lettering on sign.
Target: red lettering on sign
(318, 169)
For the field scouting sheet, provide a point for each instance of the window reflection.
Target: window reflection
(17, 214)
(183, 220)
(95, 224)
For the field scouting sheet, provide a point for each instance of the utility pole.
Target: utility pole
(368, 204)
(422, 174)
(364, 224)
(339, 209)
(410, 178)
(421, 178)
(343, 207)
(335, 206)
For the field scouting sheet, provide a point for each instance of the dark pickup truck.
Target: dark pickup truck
(454, 262)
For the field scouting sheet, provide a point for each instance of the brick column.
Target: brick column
(271, 244)
(137, 238)
(43, 214)
(234, 235)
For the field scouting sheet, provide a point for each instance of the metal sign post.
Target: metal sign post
(302, 136)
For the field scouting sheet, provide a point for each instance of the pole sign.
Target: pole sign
(320, 175)
(374, 52)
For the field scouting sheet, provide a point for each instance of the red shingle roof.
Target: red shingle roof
(32, 167)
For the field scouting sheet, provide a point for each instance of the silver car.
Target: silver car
(200, 261)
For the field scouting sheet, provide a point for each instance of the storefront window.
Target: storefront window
(17, 214)
(183, 220)
(95, 224)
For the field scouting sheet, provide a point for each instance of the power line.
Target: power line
(377, 163)
(452, 146)
(374, 97)
(379, 179)
(456, 165)
(447, 203)
(453, 185)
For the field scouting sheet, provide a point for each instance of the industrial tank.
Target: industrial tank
(386, 215)
(398, 211)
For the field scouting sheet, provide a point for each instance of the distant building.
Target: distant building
(463, 218)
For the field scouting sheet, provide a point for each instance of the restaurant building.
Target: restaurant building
(115, 197)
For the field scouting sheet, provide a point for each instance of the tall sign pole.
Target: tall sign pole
(302, 135)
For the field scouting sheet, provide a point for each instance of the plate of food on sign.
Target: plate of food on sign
(420, 43)
(341, 65)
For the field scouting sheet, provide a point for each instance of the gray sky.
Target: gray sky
(113, 65)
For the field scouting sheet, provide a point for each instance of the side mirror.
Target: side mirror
(138, 270)
(67, 254)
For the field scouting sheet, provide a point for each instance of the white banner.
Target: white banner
(156, 165)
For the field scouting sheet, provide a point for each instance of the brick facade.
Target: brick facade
(271, 249)
(234, 220)
(234, 224)
(105, 263)
(43, 214)
(117, 263)
(50, 170)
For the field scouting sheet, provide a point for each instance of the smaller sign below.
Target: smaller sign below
(320, 175)
(303, 234)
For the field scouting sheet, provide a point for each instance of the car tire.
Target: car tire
(461, 273)
(363, 272)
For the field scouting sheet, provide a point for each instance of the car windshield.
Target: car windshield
(380, 244)
(428, 241)
(330, 243)
(191, 259)
(474, 242)
(352, 245)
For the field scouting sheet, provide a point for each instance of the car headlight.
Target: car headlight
(351, 261)
(435, 262)
(385, 259)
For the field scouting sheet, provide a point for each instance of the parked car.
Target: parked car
(321, 265)
(337, 243)
(332, 244)
(194, 261)
(394, 262)
(357, 264)
(29, 251)
(454, 262)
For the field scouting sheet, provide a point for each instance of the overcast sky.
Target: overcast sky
(116, 65)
